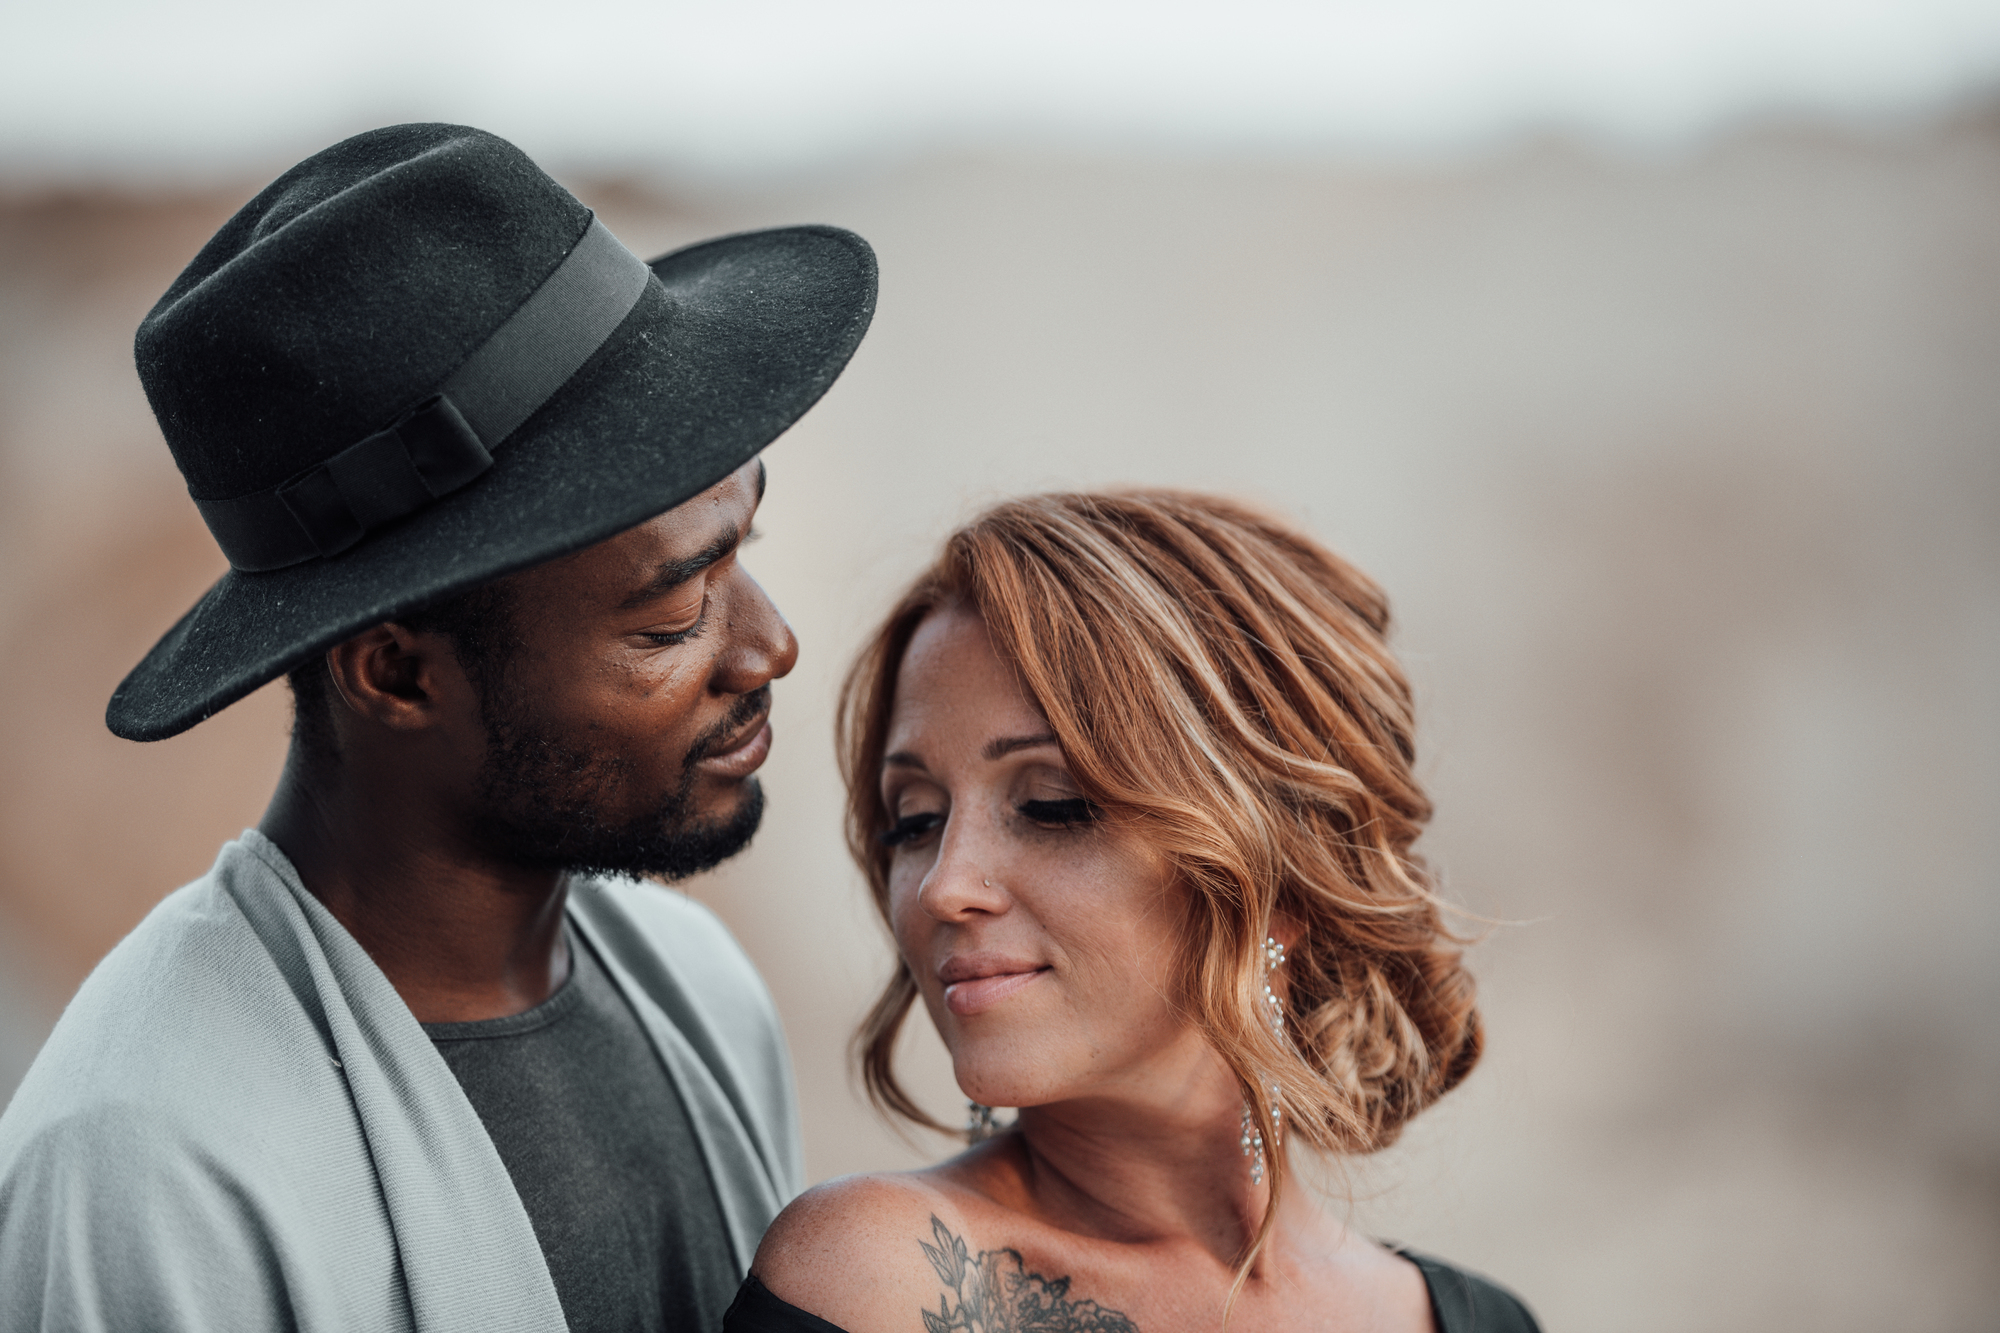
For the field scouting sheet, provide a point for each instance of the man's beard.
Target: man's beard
(541, 802)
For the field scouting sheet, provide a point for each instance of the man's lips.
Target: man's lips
(744, 755)
(972, 986)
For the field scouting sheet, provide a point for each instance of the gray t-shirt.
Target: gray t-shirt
(602, 1153)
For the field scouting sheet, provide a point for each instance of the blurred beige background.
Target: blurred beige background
(1682, 470)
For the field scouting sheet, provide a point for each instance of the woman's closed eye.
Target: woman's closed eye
(911, 828)
(1066, 813)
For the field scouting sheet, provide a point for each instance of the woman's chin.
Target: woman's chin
(990, 1086)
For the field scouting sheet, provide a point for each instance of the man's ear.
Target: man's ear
(396, 677)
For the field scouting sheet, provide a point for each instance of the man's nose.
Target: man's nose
(761, 646)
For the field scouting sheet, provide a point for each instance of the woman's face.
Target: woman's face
(1043, 940)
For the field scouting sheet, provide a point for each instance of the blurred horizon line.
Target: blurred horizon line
(666, 175)
(769, 93)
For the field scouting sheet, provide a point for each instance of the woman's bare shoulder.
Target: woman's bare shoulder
(865, 1252)
(855, 1211)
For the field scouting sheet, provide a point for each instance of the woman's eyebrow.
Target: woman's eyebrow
(1006, 745)
(998, 748)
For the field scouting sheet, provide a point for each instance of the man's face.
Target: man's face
(630, 708)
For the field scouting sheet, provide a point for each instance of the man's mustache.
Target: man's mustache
(731, 727)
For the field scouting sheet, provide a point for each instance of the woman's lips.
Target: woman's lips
(742, 759)
(978, 994)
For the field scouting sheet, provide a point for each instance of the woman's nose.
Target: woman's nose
(962, 882)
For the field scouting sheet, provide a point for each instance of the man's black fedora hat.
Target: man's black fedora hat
(415, 363)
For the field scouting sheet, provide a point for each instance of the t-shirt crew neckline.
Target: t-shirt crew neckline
(552, 1010)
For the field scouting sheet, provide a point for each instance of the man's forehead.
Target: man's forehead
(696, 521)
(648, 558)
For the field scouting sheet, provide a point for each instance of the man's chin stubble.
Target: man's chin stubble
(542, 803)
(542, 807)
(663, 843)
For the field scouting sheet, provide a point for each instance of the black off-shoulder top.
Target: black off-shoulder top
(1461, 1302)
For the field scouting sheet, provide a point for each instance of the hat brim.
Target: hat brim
(729, 345)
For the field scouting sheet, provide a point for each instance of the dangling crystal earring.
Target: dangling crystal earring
(1253, 1143)
(1253, 1135)
(1274, 958)
(980, 1123)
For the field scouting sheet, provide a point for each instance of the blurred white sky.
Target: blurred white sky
(206, 88)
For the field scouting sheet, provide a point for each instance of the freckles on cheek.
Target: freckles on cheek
(907, 920)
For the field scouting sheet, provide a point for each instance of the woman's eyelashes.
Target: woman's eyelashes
(1066, 813)
(1069, 812)
(911, 828)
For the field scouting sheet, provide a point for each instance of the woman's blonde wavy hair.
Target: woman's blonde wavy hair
(1219, 683)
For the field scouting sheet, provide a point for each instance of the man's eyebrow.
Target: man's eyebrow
(674, 573)
(763, 479)
(1006, 745)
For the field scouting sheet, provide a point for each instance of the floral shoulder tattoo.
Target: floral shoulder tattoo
(992, 1292)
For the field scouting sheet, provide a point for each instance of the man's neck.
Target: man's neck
(460, 936)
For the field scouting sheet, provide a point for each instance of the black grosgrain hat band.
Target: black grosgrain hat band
(448, 439)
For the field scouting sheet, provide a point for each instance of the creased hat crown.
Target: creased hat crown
(342, 295)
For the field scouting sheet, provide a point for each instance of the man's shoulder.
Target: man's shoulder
(185, 1126)
(181, 1019)
(190, 1202)
(111, 1148)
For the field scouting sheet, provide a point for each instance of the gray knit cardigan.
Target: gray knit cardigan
(238, 1124)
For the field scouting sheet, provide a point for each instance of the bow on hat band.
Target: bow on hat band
(449, 438)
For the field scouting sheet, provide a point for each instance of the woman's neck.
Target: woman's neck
(1166, 1164)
